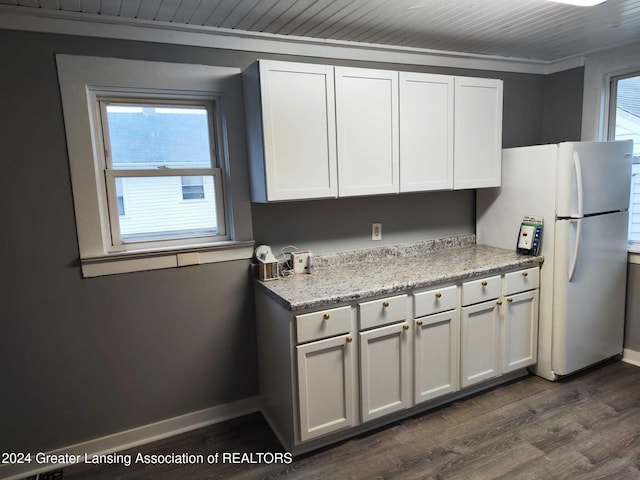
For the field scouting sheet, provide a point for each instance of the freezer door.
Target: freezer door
(593, 177)
(588, 290)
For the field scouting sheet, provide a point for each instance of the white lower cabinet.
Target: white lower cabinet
(327, 373)
(520, 331)
(325, 386)
(480, 342)
(436, 354)
(384, 370)
(499, 336)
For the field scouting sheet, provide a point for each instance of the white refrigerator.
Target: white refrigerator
(581, 189)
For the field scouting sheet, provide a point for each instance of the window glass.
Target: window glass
(155, 210)
(192, 188)
(150, 136)
(626, 123)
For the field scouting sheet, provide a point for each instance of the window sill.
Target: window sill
(142, 260)
(634, 254)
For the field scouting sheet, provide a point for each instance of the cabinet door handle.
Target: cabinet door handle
(509, 300)
(405, 327)
(326, 316)
(499, 302)
(385, 304)
(419, 323)
(524, 274)
(438, 295)
(483, 283)
(349, 339)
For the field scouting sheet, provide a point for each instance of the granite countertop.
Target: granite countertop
(347, 276)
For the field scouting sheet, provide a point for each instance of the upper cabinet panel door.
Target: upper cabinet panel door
(297, 103)
(426, 132)
(478, 133)
(367, 128)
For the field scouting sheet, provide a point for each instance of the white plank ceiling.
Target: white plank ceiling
(527, 29)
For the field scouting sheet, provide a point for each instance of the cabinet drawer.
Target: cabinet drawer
(312, 326)
(435, 301)
(521, 280)
(383, 311)
(480, 290)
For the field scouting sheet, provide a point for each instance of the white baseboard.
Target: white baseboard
(631, 356)
(138, 436)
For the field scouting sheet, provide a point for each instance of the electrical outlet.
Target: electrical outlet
(376, 231)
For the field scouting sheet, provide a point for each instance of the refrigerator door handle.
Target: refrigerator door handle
(578, 169)
(576, 249)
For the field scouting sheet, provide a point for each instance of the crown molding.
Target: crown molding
(91, 25)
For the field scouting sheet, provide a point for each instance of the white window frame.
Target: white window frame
(103, 99)
(85, 80)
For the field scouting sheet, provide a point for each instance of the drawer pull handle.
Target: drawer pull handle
(524, 274)
(499, 302)
(405, 327)
(419, 323)
(483, 283)
(326, 316)
(385, 304)
(438, 295)
(349, 339)
(509, 300)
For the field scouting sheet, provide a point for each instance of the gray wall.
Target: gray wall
(83, 358)
(562, 113)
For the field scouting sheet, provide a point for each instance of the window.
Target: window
(150, 147)
(192, 188)
(625, 125)
(154, 144)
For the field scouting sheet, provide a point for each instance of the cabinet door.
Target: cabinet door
(384, 370)
(520, 331)
(367, 127)
(426, 132)
(436, 355)
(478, 133)
(325, 386)
(480, 342)
(298, 110)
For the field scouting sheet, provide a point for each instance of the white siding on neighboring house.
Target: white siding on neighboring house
(155, 204)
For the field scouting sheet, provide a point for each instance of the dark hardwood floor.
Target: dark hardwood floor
(587, 427)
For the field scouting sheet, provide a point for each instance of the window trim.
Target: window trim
(600, 69)
(80, 78)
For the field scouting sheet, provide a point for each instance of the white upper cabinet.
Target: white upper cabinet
(318, 131)
(426, 132)
(367, 126)
(291, 130)
(478, 132)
